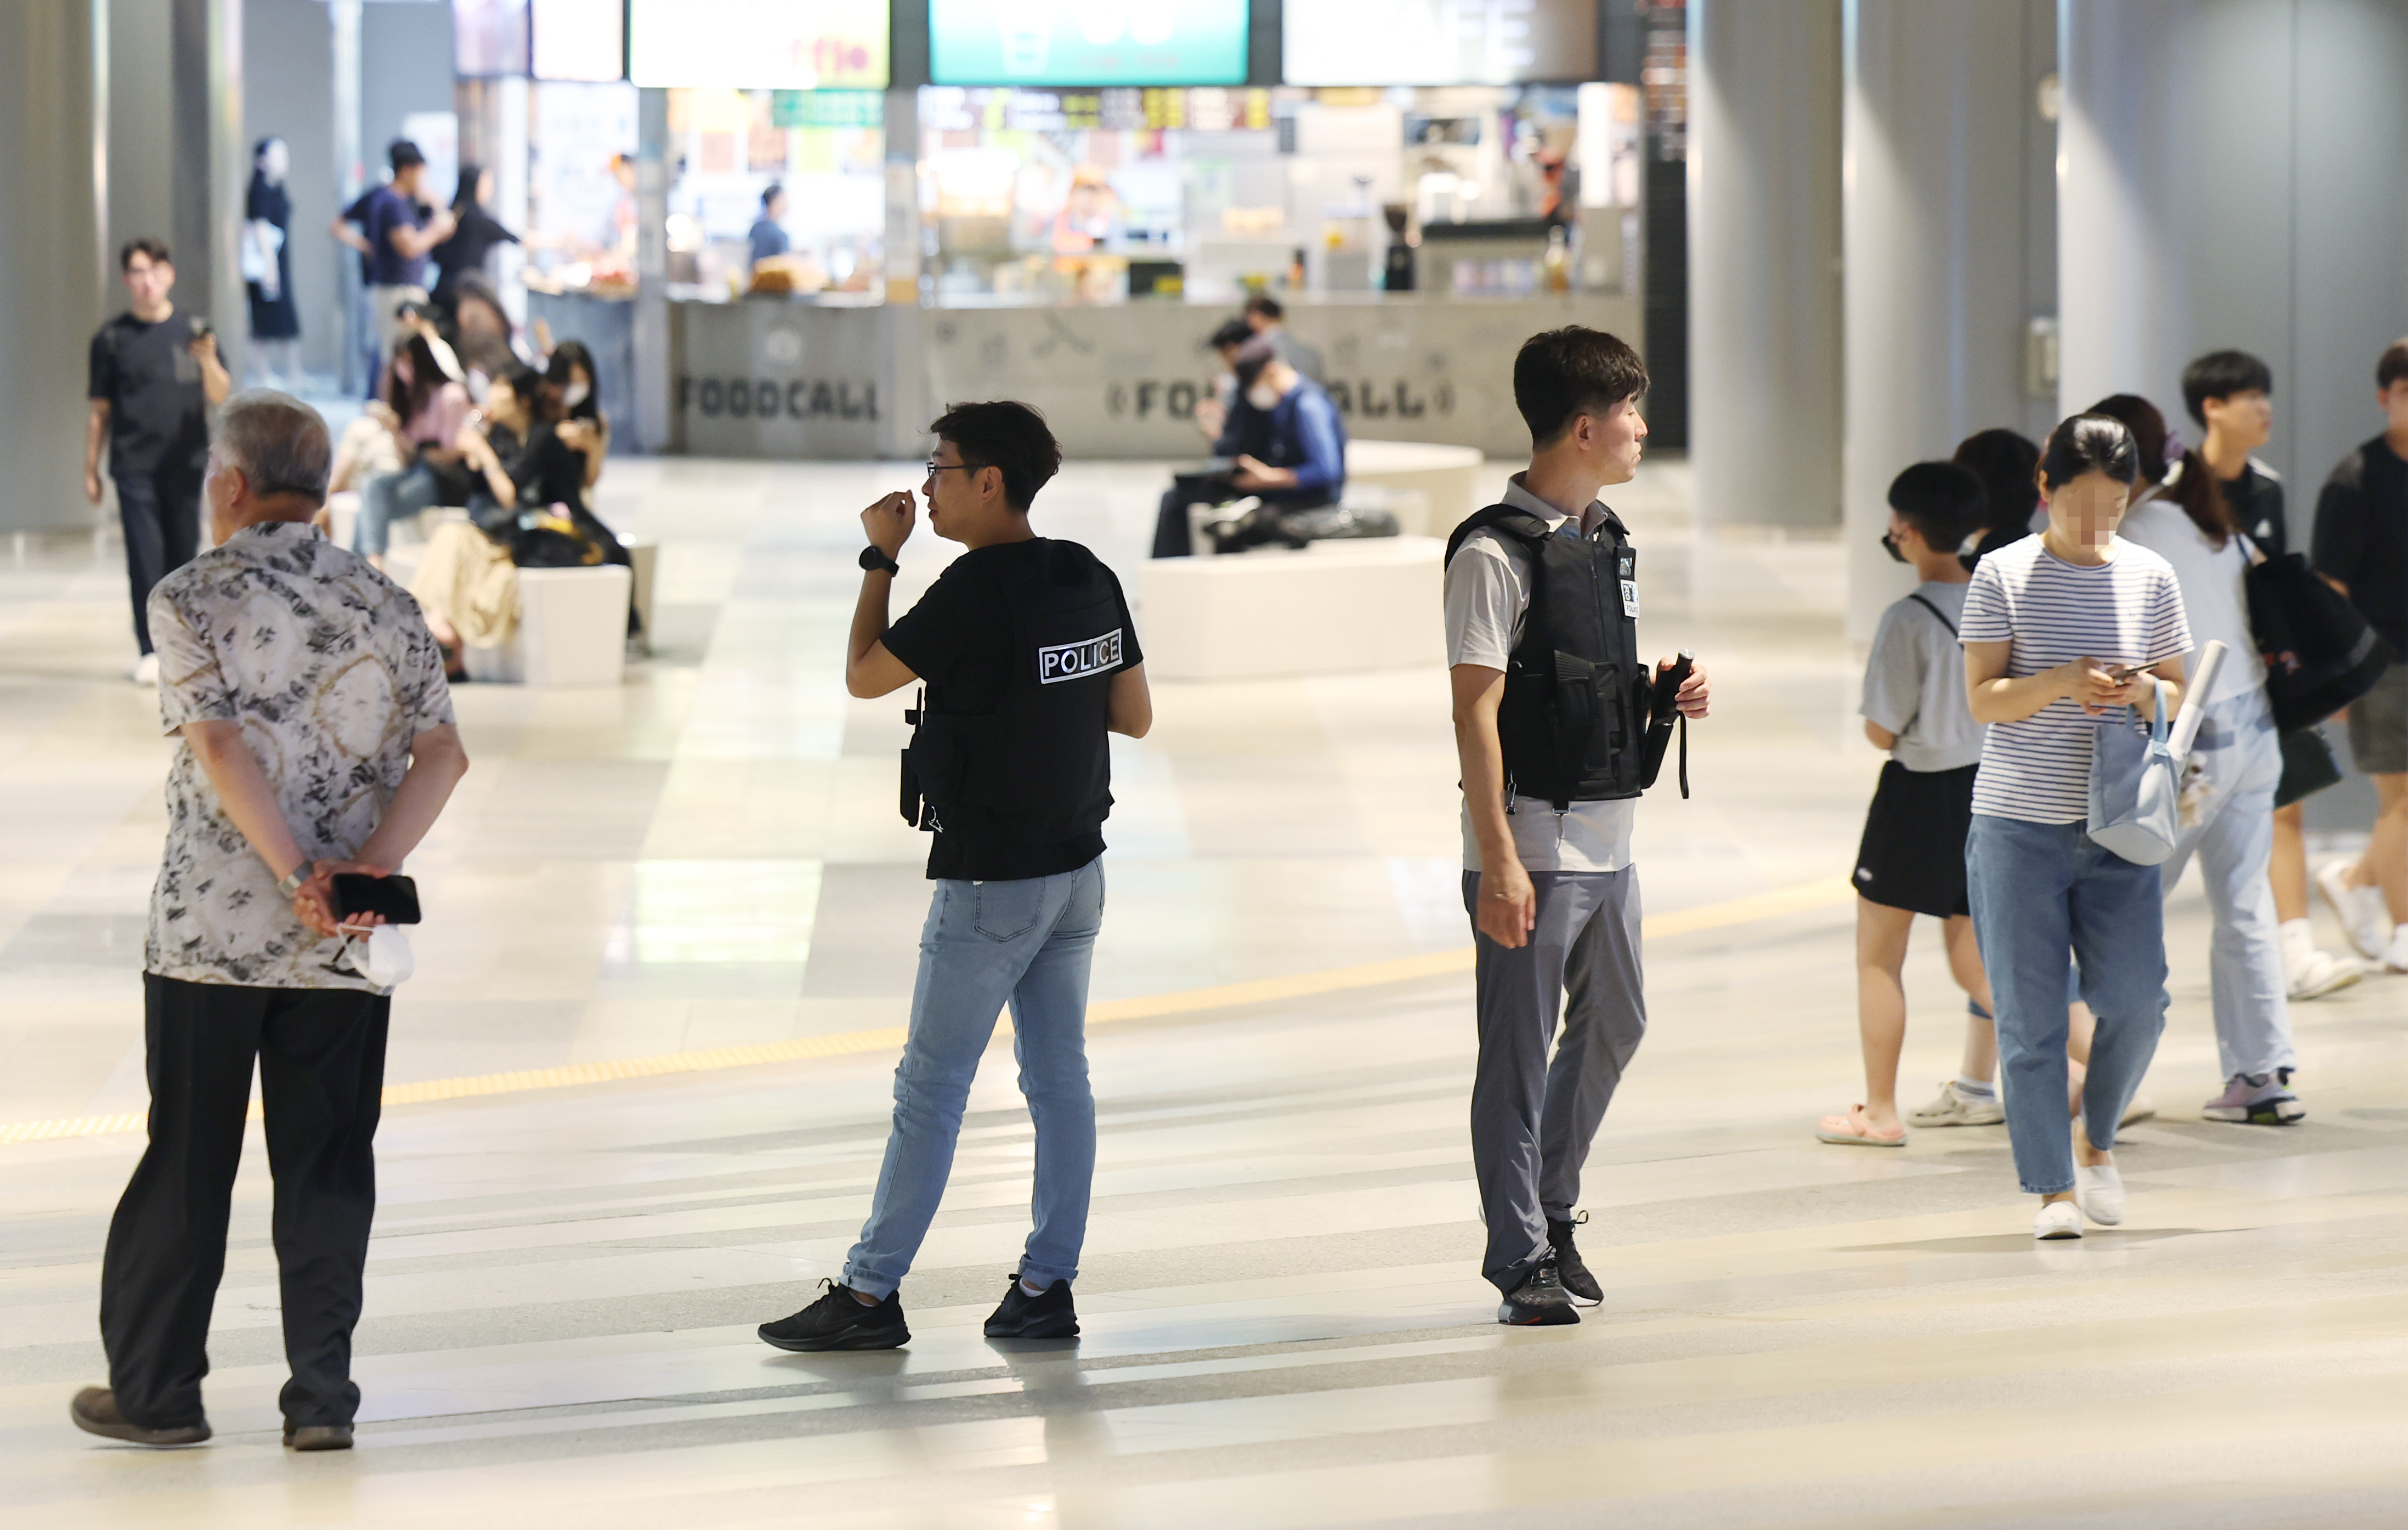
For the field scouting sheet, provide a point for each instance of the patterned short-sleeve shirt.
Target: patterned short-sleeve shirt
(330, 669)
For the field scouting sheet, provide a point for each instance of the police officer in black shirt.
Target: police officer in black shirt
(1029, 659)
(154, 373)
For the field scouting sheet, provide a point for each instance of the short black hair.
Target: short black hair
(401, 154)
(1266, 306)
(1232, 334)
(153, 251)
(1943, 501)
(772, 192)
(1007, 434)
(2089, 443)
(2148, 428)
(1251, 357)
(1562, 373)
(2004, 460)
(2393, 367)
(2221, 373)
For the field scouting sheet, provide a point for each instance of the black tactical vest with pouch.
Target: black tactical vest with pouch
(1576, 695)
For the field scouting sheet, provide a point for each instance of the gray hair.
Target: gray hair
(280, 443)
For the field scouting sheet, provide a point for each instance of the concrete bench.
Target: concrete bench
(1446, 478)
(572, 630)
(1333, 607)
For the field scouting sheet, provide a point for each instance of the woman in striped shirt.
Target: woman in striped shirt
(2059, 629)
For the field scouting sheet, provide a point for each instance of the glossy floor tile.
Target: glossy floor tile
(1284, 1323)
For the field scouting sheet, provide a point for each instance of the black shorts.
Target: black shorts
(1914, 850)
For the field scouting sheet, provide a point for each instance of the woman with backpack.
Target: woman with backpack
(2060, 629)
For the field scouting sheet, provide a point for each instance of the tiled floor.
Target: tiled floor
(1284, 1324)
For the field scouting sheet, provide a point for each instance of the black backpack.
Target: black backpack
(2320, 654)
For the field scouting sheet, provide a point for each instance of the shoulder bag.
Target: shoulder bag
(2135, 789)
(2320, 654)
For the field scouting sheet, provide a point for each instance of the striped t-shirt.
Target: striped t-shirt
(2127, 610)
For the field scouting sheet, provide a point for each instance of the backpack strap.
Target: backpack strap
(1935, 612)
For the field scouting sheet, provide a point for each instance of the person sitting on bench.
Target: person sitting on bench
(1283, 443)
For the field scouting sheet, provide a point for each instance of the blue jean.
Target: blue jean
(2243, 761)
(2040, 891)
(1028, 942)
(389, 497)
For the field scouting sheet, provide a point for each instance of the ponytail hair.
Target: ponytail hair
(2089, 443)
(2194, 489)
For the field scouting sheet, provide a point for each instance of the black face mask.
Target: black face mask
(1890, 547)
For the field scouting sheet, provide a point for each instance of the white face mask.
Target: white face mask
(575, 393)
(1262, 395)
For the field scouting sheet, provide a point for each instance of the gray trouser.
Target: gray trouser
(1532, 1120)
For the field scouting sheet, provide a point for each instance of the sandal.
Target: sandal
(1853, 1130)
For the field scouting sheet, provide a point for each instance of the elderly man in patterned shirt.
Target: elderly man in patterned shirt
(316, 738)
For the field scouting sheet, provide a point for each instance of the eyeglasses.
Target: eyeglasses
(935, 469)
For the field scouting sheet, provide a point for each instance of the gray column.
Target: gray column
(211, 166)
(1950, 237)
(50, 247)
(654, 362)
(2233, 177)
(1764, 261)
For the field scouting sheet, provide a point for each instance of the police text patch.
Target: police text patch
(1077, 661)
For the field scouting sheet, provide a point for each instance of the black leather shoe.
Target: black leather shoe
(1049, 1314)
(317, 1437)
(95, 1412)
(1568, 1263)
(1540, 1301)
(839, 1321)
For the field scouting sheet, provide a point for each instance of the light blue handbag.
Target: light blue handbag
(2135, 788)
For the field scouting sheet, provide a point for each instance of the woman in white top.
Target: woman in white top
(2239, 762)
(2060, 629)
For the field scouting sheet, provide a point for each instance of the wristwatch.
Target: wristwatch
(872, 559)
(290, 885)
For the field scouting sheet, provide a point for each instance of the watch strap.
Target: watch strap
(290, 885)
(872, 559)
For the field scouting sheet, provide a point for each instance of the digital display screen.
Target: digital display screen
(751, 45)
(1438, 42)
(581, 40)
(1089, 42)
(489, 38)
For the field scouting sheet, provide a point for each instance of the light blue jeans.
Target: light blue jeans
(2243, 761)
(1027, 942)
(2041, 891)
(389, 497)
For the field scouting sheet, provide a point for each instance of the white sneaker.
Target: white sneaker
(2311, 974)
(145, 670)
(2394, 955)
(1955, 1109)
(2365, 918)
(2099, 1193)
(2057, 1219)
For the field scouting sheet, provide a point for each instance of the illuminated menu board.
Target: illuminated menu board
(1094, 42)
(787, 45)
(1438, 42)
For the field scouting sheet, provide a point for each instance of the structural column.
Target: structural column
(1764, 261)
(1950, 234)
(53, 159)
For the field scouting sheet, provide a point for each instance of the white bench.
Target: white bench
(1335, 607)
(572, 630)
(1446, 478)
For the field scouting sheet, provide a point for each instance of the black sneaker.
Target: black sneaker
(317, 1437)
(1049, 1314)
(95, 1412)
(1568, 1263)
(838, 1320)
(1538, 1301)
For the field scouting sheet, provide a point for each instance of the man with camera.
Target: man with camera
(155, 374)
(316, 748)
(1030, 660)
(1559, 726)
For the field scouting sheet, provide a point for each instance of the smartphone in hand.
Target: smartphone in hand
(396, 898)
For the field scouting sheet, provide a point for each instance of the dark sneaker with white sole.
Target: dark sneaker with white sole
(840, 1320)
(1569, 1267)
(1049, 1314)
(1540, 1301)
(95, 1412)
(2263, 1099)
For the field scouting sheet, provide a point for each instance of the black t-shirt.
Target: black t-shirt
(2362, 537)
(158, 417)
(959, 639)
(465, 250)
(546, 470)
(2256, 498)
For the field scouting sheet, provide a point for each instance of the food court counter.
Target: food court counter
(776, 377)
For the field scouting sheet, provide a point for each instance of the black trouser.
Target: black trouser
(321, 1055)
(1170, 537)
(161, 515)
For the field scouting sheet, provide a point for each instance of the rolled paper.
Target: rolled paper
(2187, 721)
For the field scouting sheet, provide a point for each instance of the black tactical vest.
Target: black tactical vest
(1038, 769)
(1575, 693)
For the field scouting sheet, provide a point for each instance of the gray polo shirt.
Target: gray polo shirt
(1914, 681)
